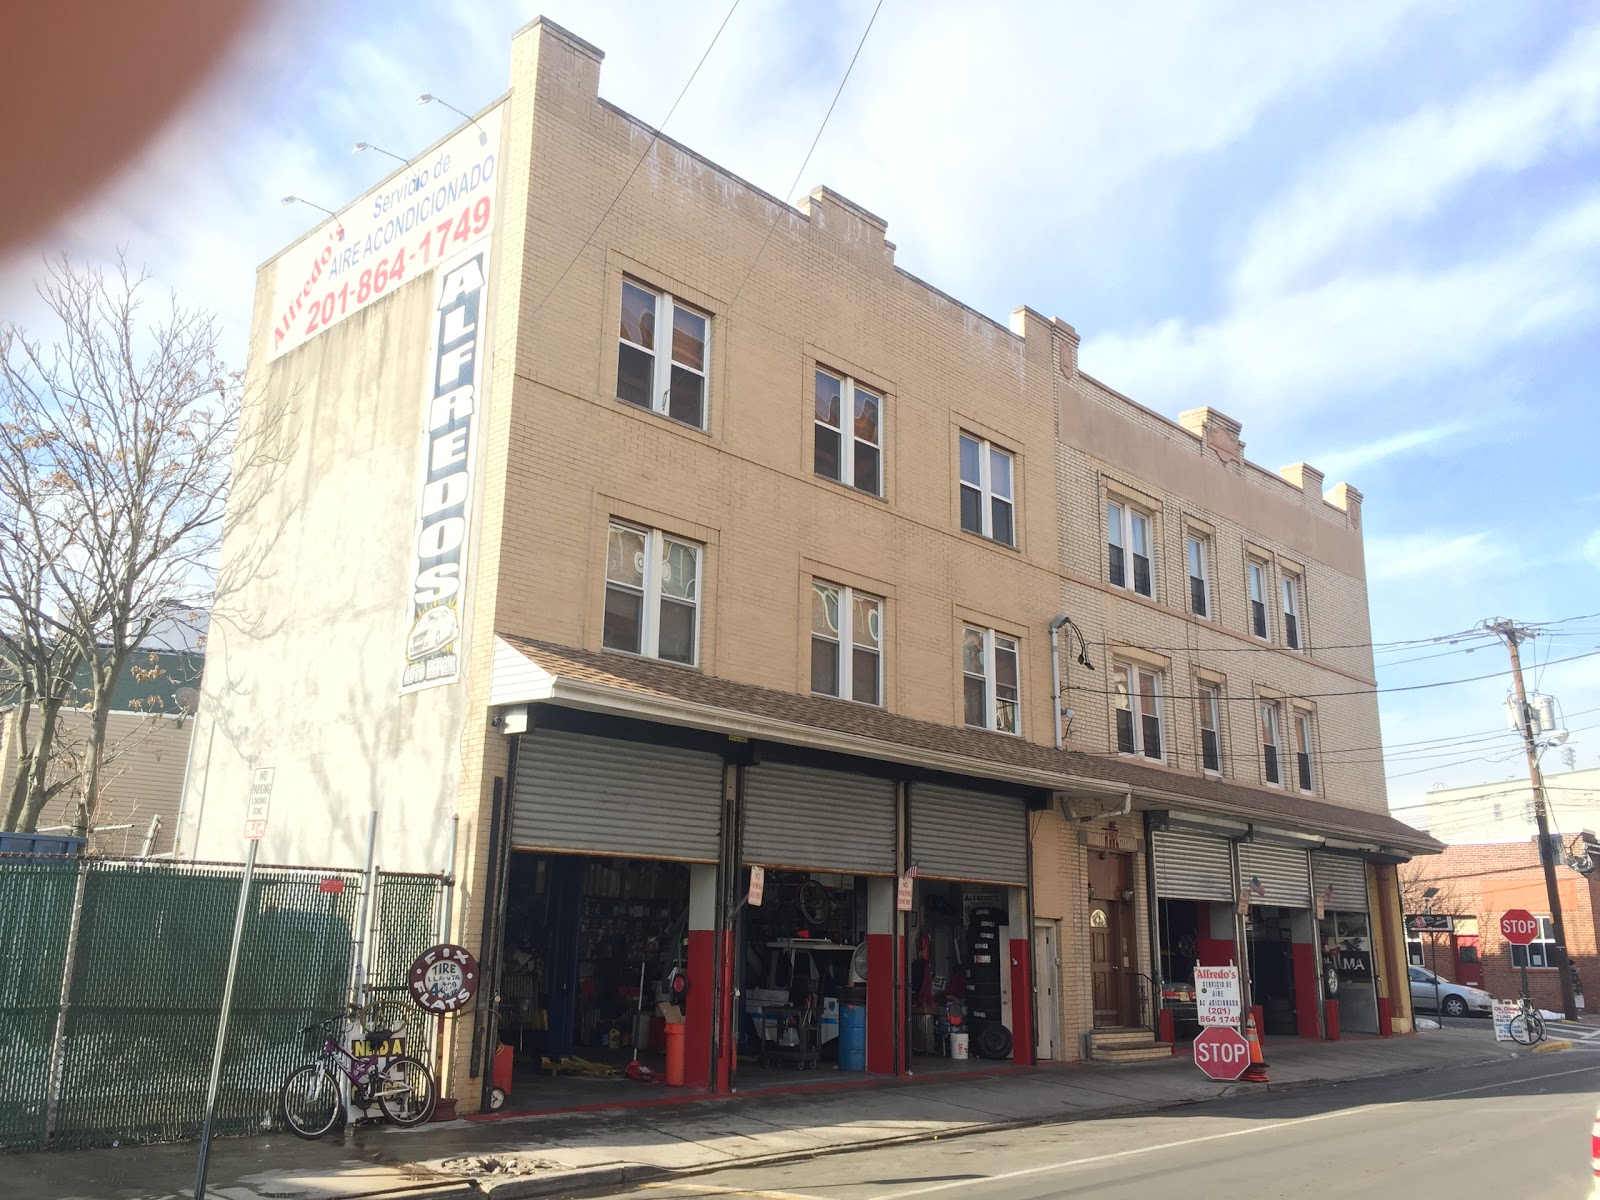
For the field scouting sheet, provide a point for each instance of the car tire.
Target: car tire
(1455, 1006)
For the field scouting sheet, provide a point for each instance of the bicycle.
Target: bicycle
(310, 1102)
(1527, 1027)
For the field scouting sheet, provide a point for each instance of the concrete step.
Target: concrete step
(1121, 1037)
(1132, 1054)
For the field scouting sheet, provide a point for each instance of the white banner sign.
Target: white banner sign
(1216, 994)
(438, 207)
(451, 401)
(758, 886)
(1502, 1012)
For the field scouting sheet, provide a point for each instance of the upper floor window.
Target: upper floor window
(1198, 549)
(1302, 750)
(1137, 696)
(1128, 543)
(987, 501)
(652, 594)
(1211, 727)
(1258, 598)
(1271, 721)
(674, 385)
(848, 432)
(1291, 611)
(846, 643)
(991, 680)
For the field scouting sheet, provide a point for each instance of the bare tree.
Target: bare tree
(115, 451)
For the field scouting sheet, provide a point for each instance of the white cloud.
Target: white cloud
(1356, 335)
(1405, 171)
(1432, 555)
(1341, 464)
(1591, 548)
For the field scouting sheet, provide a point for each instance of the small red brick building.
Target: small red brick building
(1479, 882)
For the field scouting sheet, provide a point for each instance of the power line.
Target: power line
(655, 136)
(1412, 687)
(773, 224)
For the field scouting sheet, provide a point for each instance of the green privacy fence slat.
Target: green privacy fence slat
(407, 924)
(35, 915)
(146, 988)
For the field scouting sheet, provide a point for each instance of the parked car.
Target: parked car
(1457, 1000)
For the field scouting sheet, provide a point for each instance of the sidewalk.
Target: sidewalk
(538, 1155)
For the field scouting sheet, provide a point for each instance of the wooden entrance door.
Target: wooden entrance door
(1110, 938)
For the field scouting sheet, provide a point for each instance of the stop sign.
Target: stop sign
(1221, 1052)
(1519, 927)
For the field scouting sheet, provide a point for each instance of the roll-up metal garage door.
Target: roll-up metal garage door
(1282, 872)
(605, 796)
(818, 820)
(1346, 876)
(961, 834)
(1193, 866)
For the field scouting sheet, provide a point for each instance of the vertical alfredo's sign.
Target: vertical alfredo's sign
(451, 404)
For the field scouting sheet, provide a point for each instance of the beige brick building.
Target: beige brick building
(640, 614)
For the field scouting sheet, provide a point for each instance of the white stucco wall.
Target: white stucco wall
(308, 636)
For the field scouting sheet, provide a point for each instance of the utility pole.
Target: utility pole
(1512, 634)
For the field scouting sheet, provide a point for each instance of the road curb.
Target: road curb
(588, 1179)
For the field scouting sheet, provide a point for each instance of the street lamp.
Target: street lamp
(360, 146)
(430, 98)
(287, 200)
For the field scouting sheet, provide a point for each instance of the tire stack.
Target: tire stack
(985, 958)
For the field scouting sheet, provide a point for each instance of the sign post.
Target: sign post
(1519, 927)
(255, 826)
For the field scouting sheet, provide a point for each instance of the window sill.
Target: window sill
(849, 489)
(875, 705)
(650, 658)
(989, 541)
(671, 422)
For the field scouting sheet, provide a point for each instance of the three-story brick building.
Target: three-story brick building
(648, 530)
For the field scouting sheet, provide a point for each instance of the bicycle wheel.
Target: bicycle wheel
(405, 1091)
(309, 1102)
(1527, 1028)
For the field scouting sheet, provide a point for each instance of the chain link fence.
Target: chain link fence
(108, 1018)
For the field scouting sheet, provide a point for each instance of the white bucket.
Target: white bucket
(958, 1046)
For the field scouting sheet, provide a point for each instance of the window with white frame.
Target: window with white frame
(1302, 750)
(1197, 548)
(848, 433)
(846, 643)
(1271, 741)
(1541, 952)
(1128, 542)
(1257, 571)
(652, 594)
(667, 376)
(1291, 611)
(1137, 697)
(991, 680)
(1211, 727)
(988, 503)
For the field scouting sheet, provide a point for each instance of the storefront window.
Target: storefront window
(1348, 976)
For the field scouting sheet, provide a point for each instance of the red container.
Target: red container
(675, 1054)
(501, 1076)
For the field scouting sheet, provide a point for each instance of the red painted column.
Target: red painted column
(1305, 990)
(1330, 1016)
(701, 965)
(882, 1003)
(1021, 1001)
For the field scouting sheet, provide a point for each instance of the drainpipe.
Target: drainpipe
(1055, 670)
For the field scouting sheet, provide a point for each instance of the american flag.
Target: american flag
(1256, 887)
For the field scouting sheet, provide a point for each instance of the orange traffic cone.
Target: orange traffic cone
(1256, 1072)
(1594, 1154)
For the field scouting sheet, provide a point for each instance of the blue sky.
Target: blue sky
(1371, 232)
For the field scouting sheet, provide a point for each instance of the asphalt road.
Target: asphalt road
(1516, 1130)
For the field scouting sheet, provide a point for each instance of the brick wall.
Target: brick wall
(1483, 882)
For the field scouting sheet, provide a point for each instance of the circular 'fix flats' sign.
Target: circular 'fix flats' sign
(444, 979)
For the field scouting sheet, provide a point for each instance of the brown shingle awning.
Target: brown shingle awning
(527, 671)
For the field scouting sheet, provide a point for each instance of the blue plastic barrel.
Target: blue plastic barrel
(852, 1037)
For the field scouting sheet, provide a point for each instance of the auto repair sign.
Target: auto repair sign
(403, 228)
(452, 399)
(443, 979)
